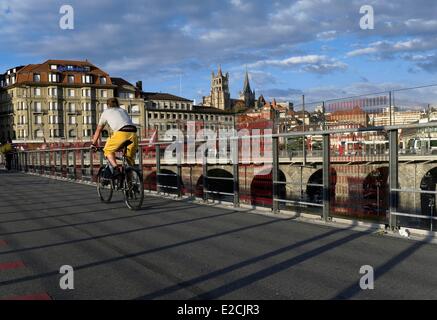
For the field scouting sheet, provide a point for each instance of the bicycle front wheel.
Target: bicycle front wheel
(105, 187)
(133, 189)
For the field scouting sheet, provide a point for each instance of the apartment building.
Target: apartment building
(58, 100)
(62, 100)
(165, 111)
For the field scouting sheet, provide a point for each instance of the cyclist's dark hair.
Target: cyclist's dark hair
(113, 103)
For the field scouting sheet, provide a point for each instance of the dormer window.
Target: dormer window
(102, 80)
(70, 78)
(53, 67)
(87, 79)
(36, 77)
(53, 77)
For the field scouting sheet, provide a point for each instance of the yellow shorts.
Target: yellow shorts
(117, 139)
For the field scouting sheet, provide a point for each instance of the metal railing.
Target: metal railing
(172, 176)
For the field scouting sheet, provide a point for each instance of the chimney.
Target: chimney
(139, 85)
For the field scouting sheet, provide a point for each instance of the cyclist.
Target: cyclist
(123, 130)
(7, 150)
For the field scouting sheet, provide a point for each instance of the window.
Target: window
(104, 106)
(71, 107)
(86, 93)
(87, 133)
(70, 78)
(87, 79)
(39, 134)
(53, 120)
(87, 120)
(72, 133)
(72, 120)
(136, 120)
(36, 77)
(38, 120)
(37, 107)
(86, 106)
(53, 106)
(70, 92)
(135, 109)
(104, 94)
(37, 92)
(53, 77)
(53, 67)
(53, 92)
(102, 80)
(54, 133)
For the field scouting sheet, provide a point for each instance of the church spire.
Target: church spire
(246, 87)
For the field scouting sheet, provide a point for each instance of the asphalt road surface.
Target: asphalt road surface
(180, 250)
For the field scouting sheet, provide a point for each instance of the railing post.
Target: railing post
(205, 175)
(52, 161)
(55, 163)
(393, 176)
(275, 169)
(26, 162)
(140, 159)
(82, 164)
(158, 167)
(236, 171)
(67, 163)
(60, 162)
(179, 168)
(74, 165)
(91, 154)
(326, 177)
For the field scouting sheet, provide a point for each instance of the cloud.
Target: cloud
(281, 94)
(383, 47)
(144, 38)
(327, 35)
(320, 64)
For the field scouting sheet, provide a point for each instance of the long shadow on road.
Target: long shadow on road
(145, 252)
(354, 289)
(114, 234)
(234, 267)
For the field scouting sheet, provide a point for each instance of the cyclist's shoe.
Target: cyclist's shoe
(111, 173)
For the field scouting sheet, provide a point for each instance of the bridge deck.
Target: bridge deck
(179, 250)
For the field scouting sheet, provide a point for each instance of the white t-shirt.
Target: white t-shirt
(116, 118)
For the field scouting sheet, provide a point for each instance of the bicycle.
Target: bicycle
(129, 181)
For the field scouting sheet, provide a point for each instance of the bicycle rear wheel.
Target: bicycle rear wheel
(105, 187)
(133, 189)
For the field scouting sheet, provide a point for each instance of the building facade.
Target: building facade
(220, 97)
(165, 111)
(57, 100)
(62, 101)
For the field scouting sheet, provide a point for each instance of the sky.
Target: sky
(290, 48)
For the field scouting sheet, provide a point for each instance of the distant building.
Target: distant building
(166, 111)
(54, 100)
(220, 97)
(247, 95)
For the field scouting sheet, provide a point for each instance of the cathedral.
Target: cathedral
(220, 97)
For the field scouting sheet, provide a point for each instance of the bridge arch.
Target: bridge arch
(215, 185)
(428, 201)
(315, 193)
(261, 188)
(169, 182)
